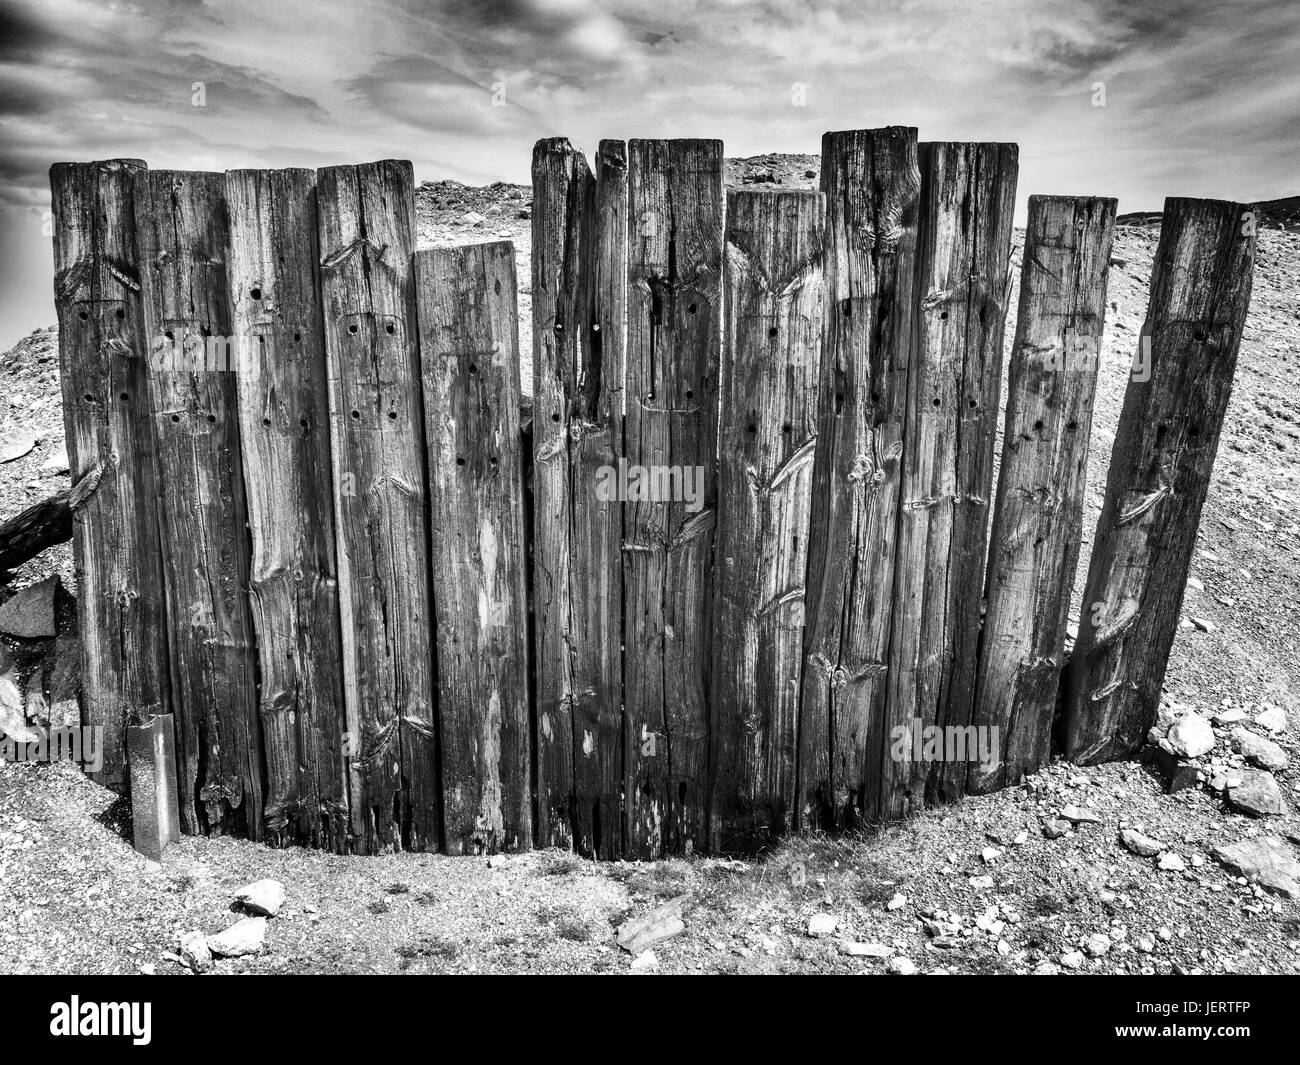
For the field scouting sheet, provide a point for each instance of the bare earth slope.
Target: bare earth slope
(75, 897)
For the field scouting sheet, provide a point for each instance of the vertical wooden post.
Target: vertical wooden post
(284, 434)
(1038, 518)
(181, 235)
(469, 343)
(954, 369)
(561, 201)
(102, 356)
(595, 452)
(151, 759)
(872, 185)
(367, 218)
(675, 213)
(1159, 474)
(773, 302)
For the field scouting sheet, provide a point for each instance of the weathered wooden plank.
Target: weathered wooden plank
(872, 185)
(1038, 517)
(561, 199)
(102, 350)
(675, 213)
(954, 367)
(181, 236)
(596, 525)
(773, 297)
(469, 344)
(284, 437)
(367, 218)
(1159, 473)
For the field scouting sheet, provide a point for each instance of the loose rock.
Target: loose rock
(1261, 752)
(245, 936)
(663, 922)
(1191, 736)
(1258, 794)
(263, 896)
(1267, 860)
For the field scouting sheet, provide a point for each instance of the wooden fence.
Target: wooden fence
(734, 577)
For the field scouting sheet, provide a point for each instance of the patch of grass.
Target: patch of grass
(1045, 904)
(562, 863)
(573, 929)
(428, 947)
(379, 906)
(398, 889)
(426, 898)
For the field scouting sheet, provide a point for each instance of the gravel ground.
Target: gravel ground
(74, 896)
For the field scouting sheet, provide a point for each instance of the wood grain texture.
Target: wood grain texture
(182, 234)
(872, 185)
(1159, 473)
(469, 344)
(675, 219)
(561, 204)
(116, 548)
(770, 369)
(1038, 516)
(284, 435)
(596, 520)
(953, 378)
(367, 218)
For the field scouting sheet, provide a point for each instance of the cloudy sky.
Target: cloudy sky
(1201, 99)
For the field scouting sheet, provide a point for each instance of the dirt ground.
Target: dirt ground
(75, 897)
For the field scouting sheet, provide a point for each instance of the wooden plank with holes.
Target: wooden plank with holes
(116, 547)
(561, 203)
(596, 522)
(469, 344)
(770, 370)
(367, 218)
(274, 285)
(675, 238)
(953, 381)
(871, 180)
(1159, 474)
(182, 235)
(1038, 516)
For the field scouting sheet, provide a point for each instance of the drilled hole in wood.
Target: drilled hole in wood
(1038, 426)
(786, 428)
(935, 401)
(392, 414)
(256, 293)
(123, 397)
(460, 461)
(212, 418)
(356, 414)
(120, 314)
(83, 315)
(773, 331)
(302, 422)
(473, 368)
(90, 398)
(691, 309)
(690, 393)
(944, 316)
(266, 421)
(555, 417)
(176, 417)
(297, 337)
(389, 329)
(352, 328)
